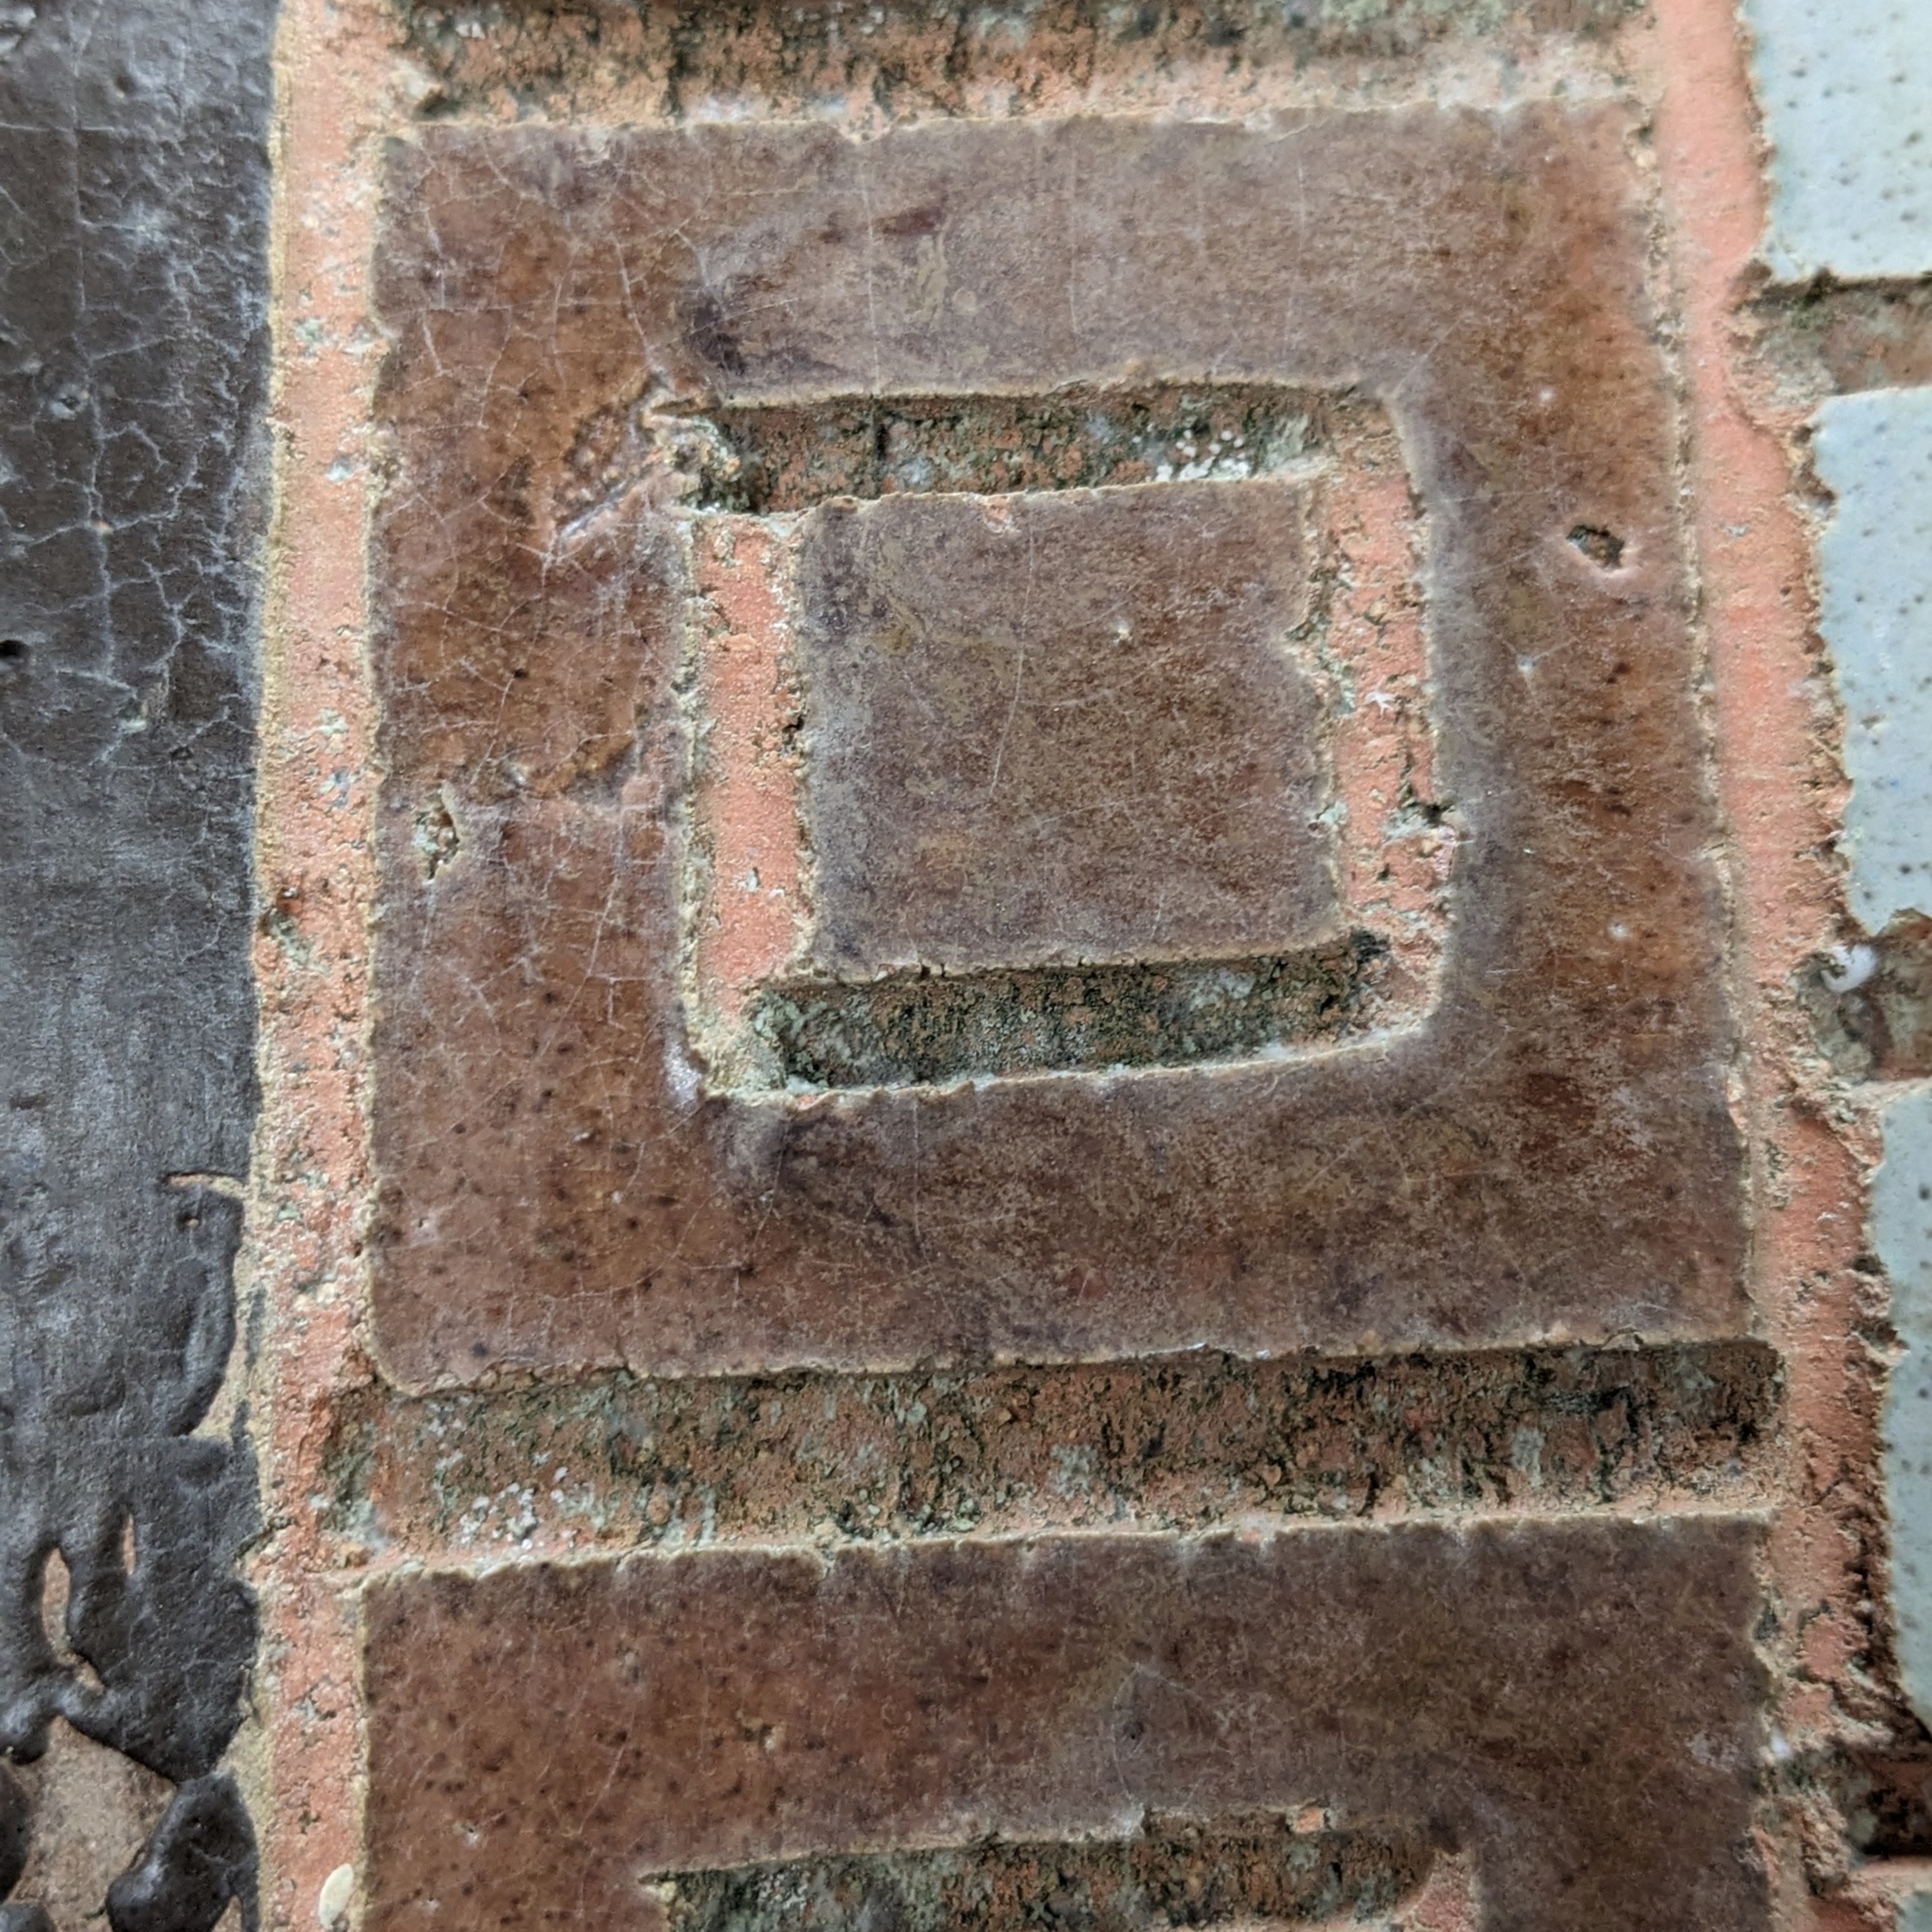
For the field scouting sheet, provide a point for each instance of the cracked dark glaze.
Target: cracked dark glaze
(1549, 1156)
(133, 364)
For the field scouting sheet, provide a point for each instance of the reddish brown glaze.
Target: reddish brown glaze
(1548, 1153)
(1574, 1706)
(1064, 727)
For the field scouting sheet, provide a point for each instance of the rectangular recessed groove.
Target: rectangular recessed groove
(916, 1029)
(1180, 1443)
(761, 459)
(1174, 1873)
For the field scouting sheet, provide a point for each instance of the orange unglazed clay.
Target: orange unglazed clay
(1782, 795)
(748, 828)
(337, 96)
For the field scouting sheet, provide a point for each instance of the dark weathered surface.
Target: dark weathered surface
(1574, 1705)
(133, 357)
(1549, 1154)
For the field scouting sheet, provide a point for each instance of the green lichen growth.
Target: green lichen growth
(922, 1029)
(1173, 1874)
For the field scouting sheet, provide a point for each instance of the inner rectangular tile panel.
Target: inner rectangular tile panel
(1054, 729)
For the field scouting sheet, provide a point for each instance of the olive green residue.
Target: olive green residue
(1174, 1873)
(788, 458)
(613, 1461)
(922, 1029)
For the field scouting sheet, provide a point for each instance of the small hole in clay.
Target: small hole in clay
(1604, 548)
(13, 651)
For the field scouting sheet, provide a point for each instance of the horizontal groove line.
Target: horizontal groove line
(611, 1462)
(918, 1028)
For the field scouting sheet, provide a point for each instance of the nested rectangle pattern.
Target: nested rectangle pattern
(1546, 1153)
(1125, 770)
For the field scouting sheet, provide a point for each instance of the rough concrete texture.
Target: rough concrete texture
(1490, 1531)
(1846, 92)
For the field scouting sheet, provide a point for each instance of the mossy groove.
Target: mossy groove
(1174, 1873)
(922, 1028)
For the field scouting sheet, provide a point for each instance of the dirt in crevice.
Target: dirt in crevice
(675, 59)
(614, 1461)
(1824, 339)
(1870, 1003)
(913, 1029)
(1174, 1872)
(769, 459)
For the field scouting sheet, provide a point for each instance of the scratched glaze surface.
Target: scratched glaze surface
(1060, 727)
(1480, 1683)
(1546, 1152)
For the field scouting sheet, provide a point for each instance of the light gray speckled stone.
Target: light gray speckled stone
(1873, 451)
(1901, 1232)
(1847, 92)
